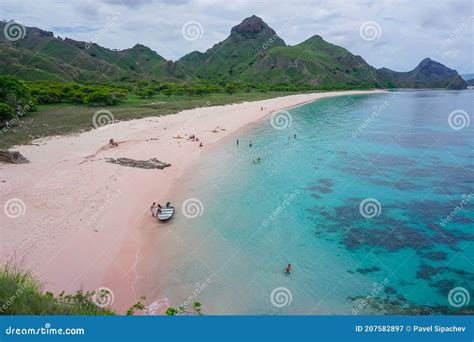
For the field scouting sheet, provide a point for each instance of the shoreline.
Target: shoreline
(79, 227)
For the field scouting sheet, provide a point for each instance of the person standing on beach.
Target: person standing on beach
(237, 142)
(152, 209)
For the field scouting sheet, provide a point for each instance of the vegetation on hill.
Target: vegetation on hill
(14, 94)
(21, 294)
(252, 54)
(428, 74)
(57, 118)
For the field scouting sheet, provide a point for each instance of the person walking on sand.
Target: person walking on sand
(152, 209)
(201, 145)
(288, 269)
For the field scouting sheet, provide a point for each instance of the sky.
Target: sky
(396, 34)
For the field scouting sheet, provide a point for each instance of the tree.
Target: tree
(13, 93)
(230, 88)
(6, 112)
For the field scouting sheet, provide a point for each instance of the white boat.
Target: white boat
(164, 214)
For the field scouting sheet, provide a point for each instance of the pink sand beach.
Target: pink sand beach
(85, 223)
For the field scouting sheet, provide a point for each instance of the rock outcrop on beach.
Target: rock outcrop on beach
(152, 163)
(13, 157)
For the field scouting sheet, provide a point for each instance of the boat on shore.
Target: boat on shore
(164, 214)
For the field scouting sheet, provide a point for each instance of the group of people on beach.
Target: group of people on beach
(192, 137)
(157, 207)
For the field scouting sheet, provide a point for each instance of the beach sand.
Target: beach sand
(84, 223)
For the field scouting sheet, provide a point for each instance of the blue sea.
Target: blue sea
(370, 198)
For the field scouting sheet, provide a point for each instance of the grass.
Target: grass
(61, 119)
(21, 294)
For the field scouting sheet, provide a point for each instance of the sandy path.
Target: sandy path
(82, 220)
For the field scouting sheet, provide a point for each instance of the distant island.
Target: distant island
(253, 53)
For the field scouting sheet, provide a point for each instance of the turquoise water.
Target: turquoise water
(301, 205)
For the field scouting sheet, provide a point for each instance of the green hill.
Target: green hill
(315, 62)
(229, 58)
(253, 53)
(428, 74)
(41, 56)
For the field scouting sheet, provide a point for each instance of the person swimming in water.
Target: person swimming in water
(250, 143)
(288, 269)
